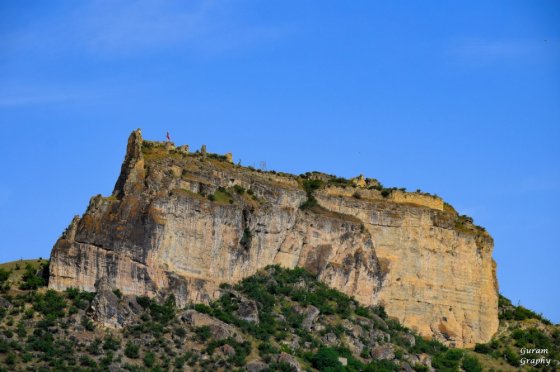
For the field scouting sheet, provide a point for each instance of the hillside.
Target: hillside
(181, 222)
(275, 320)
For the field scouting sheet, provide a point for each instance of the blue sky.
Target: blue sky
(461, 100)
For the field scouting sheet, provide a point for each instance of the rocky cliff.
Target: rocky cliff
(181, 223)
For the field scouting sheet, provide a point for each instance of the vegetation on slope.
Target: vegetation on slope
(277, 320)
(296, 322)
(522, 330)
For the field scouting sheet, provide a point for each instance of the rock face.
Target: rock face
(183, 223)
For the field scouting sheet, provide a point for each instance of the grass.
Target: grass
(17, 268)
(221, 196)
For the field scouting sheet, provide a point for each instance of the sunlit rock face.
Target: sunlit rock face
(182, 223)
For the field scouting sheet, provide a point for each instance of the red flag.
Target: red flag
(168, 137)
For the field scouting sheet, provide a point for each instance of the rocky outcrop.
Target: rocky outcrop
(183, 223)
(110, 310)
(5, 304)
(218, 329)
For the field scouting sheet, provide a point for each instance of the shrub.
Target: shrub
(382, 366)
(50, 303)
(246, 238)
(325, 358)
(266, 348)
(149, 360)
(203, 333)
(239, 189)
(95, 347)
(202, 308)
(310, 186)
(163, 313)
(471, 364)
(80, 299)
(118, 293)
(87, 361)
(87, 324)
(143, 301)
(447, 361)
(482, 348)
(30, 279)
(511, 357)
(111, 343)
(132, 350)
(11, 359)
(386, 192)
(4, 275)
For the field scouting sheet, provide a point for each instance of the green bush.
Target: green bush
(471, 364)
(381, 366)
(80, 299)
(118, 293)
(203, 333)
(149, 360)
(202, 308)
(50, 303)
(246, 238)
(111, 343)
(325, 358)
(87, 324)
(511, 357)
(132, 350)
(30, 279)
(531, 337)
(144, 301)
(4, 275)
(448, 361)
(239, 189)
(242, 349)
(482, 348)
(310, 186)
(165, 312)
(386, 193)
(87, 361)
(11, 359)
(95, 347)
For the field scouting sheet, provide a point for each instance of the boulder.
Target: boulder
(409, 339)
(310, 313)
(293, 344)
(227, 350)
(379, 322)
(5, 304)
(290, 360)
(218, 329)
(355, 345)
(382, 352)
(425, 360)
(378, 336)
(405, 367)
(107, 309)
(330, 338)
(248, 310)
(256, 366)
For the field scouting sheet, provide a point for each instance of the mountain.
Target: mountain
(181, 223)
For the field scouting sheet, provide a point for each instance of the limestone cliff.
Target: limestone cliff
(183, 223)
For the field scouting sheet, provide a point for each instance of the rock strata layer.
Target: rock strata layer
(182, 223)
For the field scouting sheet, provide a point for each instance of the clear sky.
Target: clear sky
(460, 98)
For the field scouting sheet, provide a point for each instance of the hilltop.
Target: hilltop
(181, 222)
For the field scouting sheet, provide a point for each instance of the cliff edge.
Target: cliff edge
(181, 223)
